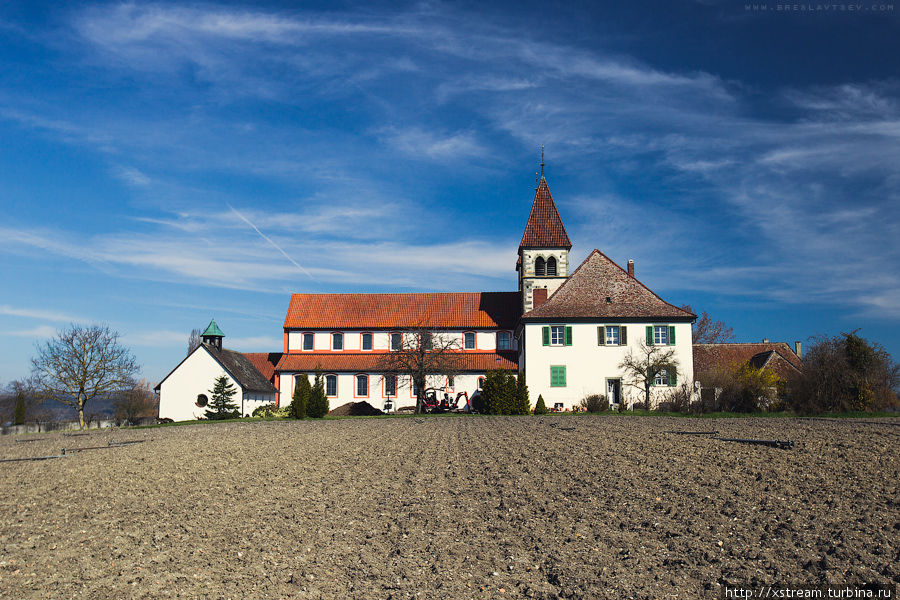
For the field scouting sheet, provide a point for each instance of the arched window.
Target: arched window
(331, 385)
(362, 386)
(481, 383)
(539, 269)
(551, 266)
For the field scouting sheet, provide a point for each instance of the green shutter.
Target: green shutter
(673, 375)
(671, 335)
(623, 335)
(562, 376)
(601, 335)
(568, 336)
(649, 335)
(546, 336)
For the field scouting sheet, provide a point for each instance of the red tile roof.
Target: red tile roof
(369, 362)
(545, 228)
(585, 293)
(264, 362)
(467, 310)
(777, 356)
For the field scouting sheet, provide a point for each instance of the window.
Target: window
(390, 385)
(362, 385)
(331, 385)
(396, 341)
(558, 376)
(367, 341)
(612, 335)
(557, 335)
(425, 340)
(551, 266)
(308, 339)
(481, 383)
(660, 335)
(469, 340)
(337, 341)
(202, 400)
(540, 268)
(662, 378)
(504, 340)
(450, 383)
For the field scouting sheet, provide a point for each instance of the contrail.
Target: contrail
(268, 239)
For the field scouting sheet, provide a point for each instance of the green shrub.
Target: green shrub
(502, 394)
(540, 408)
(318, 401)
(300, 400)
(269, 411)
(595, 403)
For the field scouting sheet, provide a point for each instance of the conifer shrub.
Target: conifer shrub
(318, 401)
(220, 404)
(502, 395)
(595, 403)
(523, 402)
(540, 408)
(300, 399)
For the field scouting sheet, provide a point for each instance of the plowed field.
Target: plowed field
(455, 507)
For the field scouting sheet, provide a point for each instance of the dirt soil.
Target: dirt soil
(450, 507)
(355, 409)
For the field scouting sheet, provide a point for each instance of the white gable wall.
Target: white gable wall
(196, 375)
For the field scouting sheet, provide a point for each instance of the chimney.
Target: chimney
(797, 349)
(540, 296)
(765, 340)
(631, 268)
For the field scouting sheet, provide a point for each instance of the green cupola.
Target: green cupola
(212, 335)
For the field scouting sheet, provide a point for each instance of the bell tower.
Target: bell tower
(212, 336)
(543, 263)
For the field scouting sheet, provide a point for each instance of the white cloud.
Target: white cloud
(41, 331)
(31, 313)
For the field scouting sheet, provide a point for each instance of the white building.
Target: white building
(185, 392)
(567, 333)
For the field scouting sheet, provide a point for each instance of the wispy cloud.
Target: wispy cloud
(40, 332)
(31, 313)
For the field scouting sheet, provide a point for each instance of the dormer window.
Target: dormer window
(551, 266)
(540, 267)
(337, 341)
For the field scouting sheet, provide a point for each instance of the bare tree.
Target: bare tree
(193, 340)
(644, 365)
(137, 402)
(707, 331)
(423, 360)
(83, 363)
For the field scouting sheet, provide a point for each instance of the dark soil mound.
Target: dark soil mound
(355, 409)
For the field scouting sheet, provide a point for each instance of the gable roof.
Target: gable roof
(584, 294)
(241, 368)
(403, 311)
(777, 356)
(544, 228)
(238, 365)
(368, 362)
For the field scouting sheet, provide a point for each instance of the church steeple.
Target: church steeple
(544, 250)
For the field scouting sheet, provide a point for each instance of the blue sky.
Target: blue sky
(165, 163)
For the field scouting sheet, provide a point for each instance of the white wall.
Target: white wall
(347, 389)
(196, 375)
(589, 365)
(485, 339)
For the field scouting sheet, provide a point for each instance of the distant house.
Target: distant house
(776, 356)
(184, 392)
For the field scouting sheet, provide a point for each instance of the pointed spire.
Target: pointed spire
(542, 161)
(213, 330)
(545, 228)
